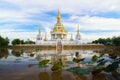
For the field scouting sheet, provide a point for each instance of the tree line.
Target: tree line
(18, 41)
(115, 41)
(4, 42)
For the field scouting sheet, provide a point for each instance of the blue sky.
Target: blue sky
(96, 18)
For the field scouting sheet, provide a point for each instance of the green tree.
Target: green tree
(108, 41)
(4, 42)
(29, 42)
(22, 42)
(96, 42)
(116, 41)
(102, 41)
(16, 41)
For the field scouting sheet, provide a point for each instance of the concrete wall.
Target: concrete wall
(53, 47)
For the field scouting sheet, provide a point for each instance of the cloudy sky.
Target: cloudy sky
(96, 18)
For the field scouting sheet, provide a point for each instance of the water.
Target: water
(23, 65)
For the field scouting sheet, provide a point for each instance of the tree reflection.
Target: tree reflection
(57, 75)
(99, 76)
(17, 53)
(113, 51)
(3, 53)
(80, 77)
(54, 76)
(103, 76)
(44, 76)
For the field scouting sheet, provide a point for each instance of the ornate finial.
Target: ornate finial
(58, 15)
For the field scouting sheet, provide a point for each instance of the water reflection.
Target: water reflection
(103, 76)
(110, 50)
(17, 53)
(53, 76)
(80, 77)
(4, 53)
(31, 58)
(44, 76)
(56, 75)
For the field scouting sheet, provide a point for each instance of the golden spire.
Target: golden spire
(58, 16)
(58, 27)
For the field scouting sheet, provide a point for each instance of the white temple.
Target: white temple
(59, 33)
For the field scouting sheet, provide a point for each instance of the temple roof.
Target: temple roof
(59, 27)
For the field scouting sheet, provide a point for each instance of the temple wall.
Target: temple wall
(53, 47)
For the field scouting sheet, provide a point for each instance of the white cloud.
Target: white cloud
(75, 8)
(94, 36)
(95, 23)
(71, 6)
(41, 6)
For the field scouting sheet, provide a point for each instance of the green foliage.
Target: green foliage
(29, 42)
(97, 71)
(57, 66)
(101, 55)
(77, 60)
(43, 62)
(78, 70)
(4, 53)
(116, 41)
(101, 63)
(112, 67)
(94, 58)
(18, 41)
(4, 42)
(108, 41)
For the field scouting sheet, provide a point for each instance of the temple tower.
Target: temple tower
(78, 36)
(58, 31)
(39, 39)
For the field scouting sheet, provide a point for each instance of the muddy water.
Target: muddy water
(23, 65)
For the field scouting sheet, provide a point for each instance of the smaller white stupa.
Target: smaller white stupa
(78, 36)
(39, 38)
